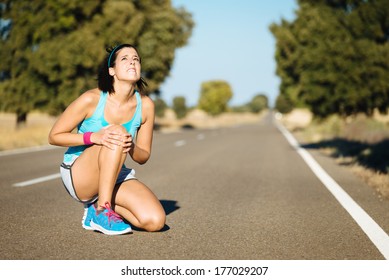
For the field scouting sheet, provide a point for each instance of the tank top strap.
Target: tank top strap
(138, 101)
(138, 112)
(99, 112)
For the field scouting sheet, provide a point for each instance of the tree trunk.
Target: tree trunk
(21, 119)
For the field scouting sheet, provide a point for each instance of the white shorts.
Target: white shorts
(67, 179)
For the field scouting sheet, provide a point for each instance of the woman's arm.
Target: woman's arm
(141, 150)
(81, 108)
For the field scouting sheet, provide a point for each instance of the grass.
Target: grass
(38, 126)
(33, 133)
(359, 142)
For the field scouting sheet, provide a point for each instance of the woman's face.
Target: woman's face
(127, 65)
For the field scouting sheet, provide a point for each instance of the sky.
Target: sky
(231, 41)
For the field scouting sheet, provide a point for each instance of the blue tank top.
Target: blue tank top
(97, 121)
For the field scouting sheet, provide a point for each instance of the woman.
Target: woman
(109, 119)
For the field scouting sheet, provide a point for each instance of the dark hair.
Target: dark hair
(105, 80)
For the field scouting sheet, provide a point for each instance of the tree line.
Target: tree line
(51, 49)
(214, 98)
(334, 57)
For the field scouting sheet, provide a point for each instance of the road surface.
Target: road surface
(237, 193)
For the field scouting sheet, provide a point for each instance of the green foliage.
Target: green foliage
(214, 97)
(240, 108)
(179, 107)
(160, 107)
(52, 52)
(258, 103)
(283, 104)
(334, 56)
(22, 88)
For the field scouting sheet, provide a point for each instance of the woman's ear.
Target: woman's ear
(111, 71)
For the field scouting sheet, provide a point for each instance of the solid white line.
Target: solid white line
(376, 234)
(38, 180)
(27, 150)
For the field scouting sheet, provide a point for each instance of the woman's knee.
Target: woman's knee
(153, 222)
(117, 128)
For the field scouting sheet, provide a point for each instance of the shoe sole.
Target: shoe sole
(108, 232)
(83, 220)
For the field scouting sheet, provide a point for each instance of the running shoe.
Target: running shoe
(109, 222)
(89, 212)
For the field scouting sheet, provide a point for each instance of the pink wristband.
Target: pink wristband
(86, 136)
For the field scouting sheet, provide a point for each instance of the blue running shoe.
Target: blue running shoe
(109, 222)
(89, 212)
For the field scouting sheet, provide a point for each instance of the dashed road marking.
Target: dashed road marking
(200, 136)
(37, 180)
(180, 143)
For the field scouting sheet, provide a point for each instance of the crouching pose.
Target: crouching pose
(108, 120)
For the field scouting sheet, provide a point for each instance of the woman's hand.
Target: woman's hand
(111, 138)
(127, 142)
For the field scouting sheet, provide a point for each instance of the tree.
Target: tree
(160, 107)
(283, 104)
(179, 106)
(215, 96)
(22, 88)
(334, 56)
(52, 51)
(258, 103)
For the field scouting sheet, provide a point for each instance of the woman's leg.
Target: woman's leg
(138, 205)
(96, 171)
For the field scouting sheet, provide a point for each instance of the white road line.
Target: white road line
(179, 143)
(37, 180)
(376, 234)
(27, 150)
(200, 136)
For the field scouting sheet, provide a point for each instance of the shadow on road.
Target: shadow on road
(372, 156)
(169, 206)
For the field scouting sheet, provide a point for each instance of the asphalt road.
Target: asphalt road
(238, 193)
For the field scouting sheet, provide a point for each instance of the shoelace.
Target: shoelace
(112, 215)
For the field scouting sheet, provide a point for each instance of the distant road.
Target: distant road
(243, 192)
